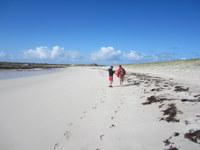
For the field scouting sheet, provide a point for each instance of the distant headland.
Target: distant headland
(16, 65)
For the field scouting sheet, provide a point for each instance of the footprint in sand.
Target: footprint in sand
(56, 146)
(101, 136)
(122, 103)
(71, 124)
(82, 117)
(67, 134)
(104, 94)
(94, 107)
(112, 126)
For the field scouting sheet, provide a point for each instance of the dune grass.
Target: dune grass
(182, 63)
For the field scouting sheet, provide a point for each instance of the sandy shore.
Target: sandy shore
(76, 110)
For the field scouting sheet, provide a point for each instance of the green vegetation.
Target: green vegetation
(189, 62)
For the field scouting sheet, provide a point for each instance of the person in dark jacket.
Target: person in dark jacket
(111, 72)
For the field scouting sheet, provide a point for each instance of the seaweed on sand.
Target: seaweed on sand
(172, 148)
(193, 136)
(154, 99)
(171, 111)
(181, 89)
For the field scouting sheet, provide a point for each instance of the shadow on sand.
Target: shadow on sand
(125, 85)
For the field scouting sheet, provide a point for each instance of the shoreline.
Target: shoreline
(6, 74)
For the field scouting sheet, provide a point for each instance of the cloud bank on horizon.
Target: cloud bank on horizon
(105, 55)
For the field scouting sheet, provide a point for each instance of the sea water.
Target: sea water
(19, 73)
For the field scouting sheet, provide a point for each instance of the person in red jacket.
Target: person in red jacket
(121, 73)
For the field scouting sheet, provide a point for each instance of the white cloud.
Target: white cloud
(140, 57)
(106, 53)
(2, 54)
(183, 58)
(133, 55)
(39, 52)
(56, 52)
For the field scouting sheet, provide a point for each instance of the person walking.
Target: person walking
(111, 72)
(121, 73)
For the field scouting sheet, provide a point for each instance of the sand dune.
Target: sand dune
(76, 110)
(184, 71)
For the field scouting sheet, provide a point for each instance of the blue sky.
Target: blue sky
(99, 31)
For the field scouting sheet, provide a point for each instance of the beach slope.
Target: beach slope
(76, 110)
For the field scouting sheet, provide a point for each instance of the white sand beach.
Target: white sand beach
(76, 110)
